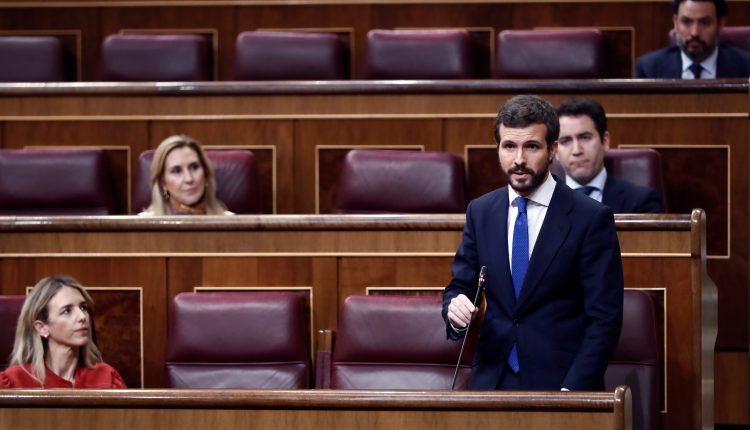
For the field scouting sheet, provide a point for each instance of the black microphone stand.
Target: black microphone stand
(480, 286)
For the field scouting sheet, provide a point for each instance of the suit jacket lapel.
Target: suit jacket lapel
(673, 68)
(554, 230)
(611, 194)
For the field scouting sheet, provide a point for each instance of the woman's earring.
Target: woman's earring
(165, 193)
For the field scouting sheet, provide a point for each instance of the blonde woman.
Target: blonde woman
(54, 346)
(182, 180)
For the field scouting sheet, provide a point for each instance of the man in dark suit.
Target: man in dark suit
(697, 54)
(554, 286)
(580, 152)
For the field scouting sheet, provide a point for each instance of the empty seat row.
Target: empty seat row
(78, 182)
(224, 340)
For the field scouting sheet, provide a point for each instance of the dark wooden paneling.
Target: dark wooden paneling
(119, 331)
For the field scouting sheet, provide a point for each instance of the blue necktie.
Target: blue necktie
(588, 189)
(519, 263)
(696, 69)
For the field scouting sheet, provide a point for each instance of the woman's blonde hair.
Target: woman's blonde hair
(159, 204)
(30, 347)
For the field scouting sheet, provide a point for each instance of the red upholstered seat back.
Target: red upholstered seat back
(395, 342)
(238, 340)
(142, 57)
(738, 36)
(419, 54)
(55, 182)
(635, 361)
(10, 309)
(550, 54)
(237, 180)
(32, 59)
(401, 181)
(275, 55)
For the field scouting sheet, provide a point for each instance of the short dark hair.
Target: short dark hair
(525, 110)
(576, 106)
(722, 9)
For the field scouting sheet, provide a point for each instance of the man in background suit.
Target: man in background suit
(697, 54)
(580, 151)
(554, 286)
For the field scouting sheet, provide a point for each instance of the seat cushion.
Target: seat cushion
(55, 182)
(270, 55)
(140, 57)
(395, 342)
(401, 181)
(550, 54)
(238, 340)
(32, 59)
(419, 54)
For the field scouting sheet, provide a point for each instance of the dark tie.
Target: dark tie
(696, 69)
(588, 189)
(519, 263)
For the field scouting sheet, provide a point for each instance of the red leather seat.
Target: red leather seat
(10, 309)
(550, 54)
(237, 180)
(143, 57)
(635, 362)
(401, 181)
(738, 36)
(55, 182)
(32, 59)
(276, 55)
(246, 340)
(393, 342)
(419, 54)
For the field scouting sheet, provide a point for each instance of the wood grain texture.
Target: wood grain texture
(307, 409)
(329, 257)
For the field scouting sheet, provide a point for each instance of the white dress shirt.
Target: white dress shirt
(536, 210)
(598, 182)
(708, 65)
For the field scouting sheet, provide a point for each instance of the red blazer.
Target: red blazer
(101, 376)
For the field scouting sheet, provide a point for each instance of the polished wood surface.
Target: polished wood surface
(329, 257)
(312, 409)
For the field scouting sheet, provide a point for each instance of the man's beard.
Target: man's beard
(536, 178)
(696, 55)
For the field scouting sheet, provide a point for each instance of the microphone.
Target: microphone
(480, 286)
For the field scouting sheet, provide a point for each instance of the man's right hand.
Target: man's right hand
(460, 311)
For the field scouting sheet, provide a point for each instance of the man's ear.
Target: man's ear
(605, 140)
(41, 328)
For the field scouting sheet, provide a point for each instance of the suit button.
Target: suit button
(516, 322)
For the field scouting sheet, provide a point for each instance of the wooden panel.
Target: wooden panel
(119, 330)
(308, 409)
(732, 392)
(337, 256)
